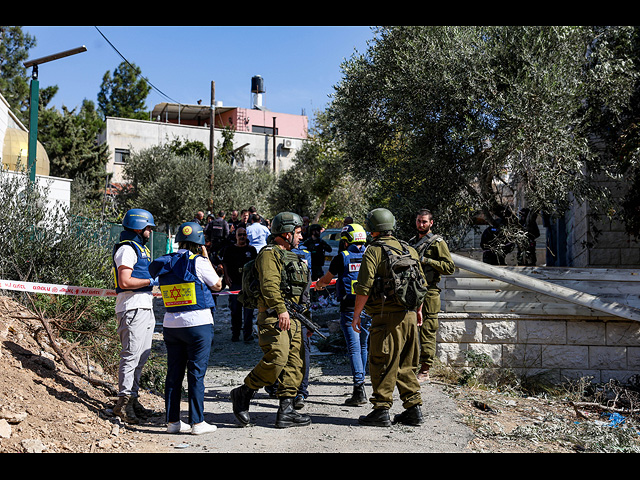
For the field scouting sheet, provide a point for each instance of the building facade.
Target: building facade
(266, 138)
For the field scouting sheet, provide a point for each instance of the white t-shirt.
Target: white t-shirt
(193, 318)
(131, 299)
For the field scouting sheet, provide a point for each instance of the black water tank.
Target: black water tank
(257, 84)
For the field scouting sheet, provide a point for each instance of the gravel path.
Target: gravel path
(334, 426)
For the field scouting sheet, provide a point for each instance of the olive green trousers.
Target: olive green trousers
(393, 359)
(429, 327)
(281, 361)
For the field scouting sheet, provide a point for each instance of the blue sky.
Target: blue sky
(299, 64)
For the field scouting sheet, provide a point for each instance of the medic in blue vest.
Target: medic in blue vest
(133, 308)
(137, 225)
(181, 287)
(187, 279)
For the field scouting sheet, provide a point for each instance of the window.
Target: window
(121, 155)
(261, 129)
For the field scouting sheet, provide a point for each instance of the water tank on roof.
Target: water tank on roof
(257, 84)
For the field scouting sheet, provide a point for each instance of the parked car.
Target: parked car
(332, 237)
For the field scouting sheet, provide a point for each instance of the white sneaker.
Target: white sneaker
(203, 427)
(178, 427)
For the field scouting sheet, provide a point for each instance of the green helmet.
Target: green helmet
(353, 233)
(285, 222)
(380, 220)
(190, 232)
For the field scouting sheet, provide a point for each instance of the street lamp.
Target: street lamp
(34, 101)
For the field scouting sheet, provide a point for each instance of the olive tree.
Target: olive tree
(469, 120)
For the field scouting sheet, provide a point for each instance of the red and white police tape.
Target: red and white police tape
(81, 291)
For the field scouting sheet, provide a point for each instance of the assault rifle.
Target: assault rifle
(297, 311)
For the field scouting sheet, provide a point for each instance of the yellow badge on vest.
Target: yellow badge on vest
(179, 294)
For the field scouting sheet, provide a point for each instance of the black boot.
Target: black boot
(240, 399)
(378, 417)
(359, 396)
(411, 416)
(124, 409)
(288, 417)
(298, 402)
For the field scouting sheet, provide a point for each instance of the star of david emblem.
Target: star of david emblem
(175, 293)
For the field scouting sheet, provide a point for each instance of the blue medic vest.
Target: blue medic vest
(141, 267)
(351, 259)
(304, 254)
(181, 288)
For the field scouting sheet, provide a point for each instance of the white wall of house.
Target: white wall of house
(59, 189)
(127, 135)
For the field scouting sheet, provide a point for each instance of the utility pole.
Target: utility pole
(274, 146)
(212, 114)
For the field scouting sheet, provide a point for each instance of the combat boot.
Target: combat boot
(240, 399)
(288, 417)
(359, 396)
(124, 409)
(411, 416)
(378, 417)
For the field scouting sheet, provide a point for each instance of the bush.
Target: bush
(42, 242)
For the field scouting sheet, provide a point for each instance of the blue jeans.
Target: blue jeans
(187, 349)
(357, 344)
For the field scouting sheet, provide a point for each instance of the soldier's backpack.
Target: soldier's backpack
(406, 282)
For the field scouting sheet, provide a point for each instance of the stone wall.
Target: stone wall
(559, 348)
(535, 334)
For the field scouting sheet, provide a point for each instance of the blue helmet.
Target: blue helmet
(190, 232)
(137, 219)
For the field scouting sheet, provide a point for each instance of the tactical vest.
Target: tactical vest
(422, 247)
(295, 278)
(141, 267)
(295, 275)
(351, 259)
(180, 286)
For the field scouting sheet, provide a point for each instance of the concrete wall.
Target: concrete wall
(599, 241)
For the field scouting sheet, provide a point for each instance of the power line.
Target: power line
(128, 63)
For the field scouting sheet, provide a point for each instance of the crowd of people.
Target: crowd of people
(393, 342)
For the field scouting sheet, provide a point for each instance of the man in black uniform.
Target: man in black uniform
(234, 257)
(317, 247)
(217, 232)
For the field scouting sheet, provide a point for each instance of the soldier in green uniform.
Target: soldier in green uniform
(436, 261)
(393, 341)
(281, 274)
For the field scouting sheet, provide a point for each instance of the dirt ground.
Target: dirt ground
(45, 408)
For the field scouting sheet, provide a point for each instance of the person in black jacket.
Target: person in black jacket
(317, 247)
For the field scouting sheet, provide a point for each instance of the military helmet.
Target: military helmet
(137, 219)
(285, 222)
(190, 232)
(353, 233)
(380, 220)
